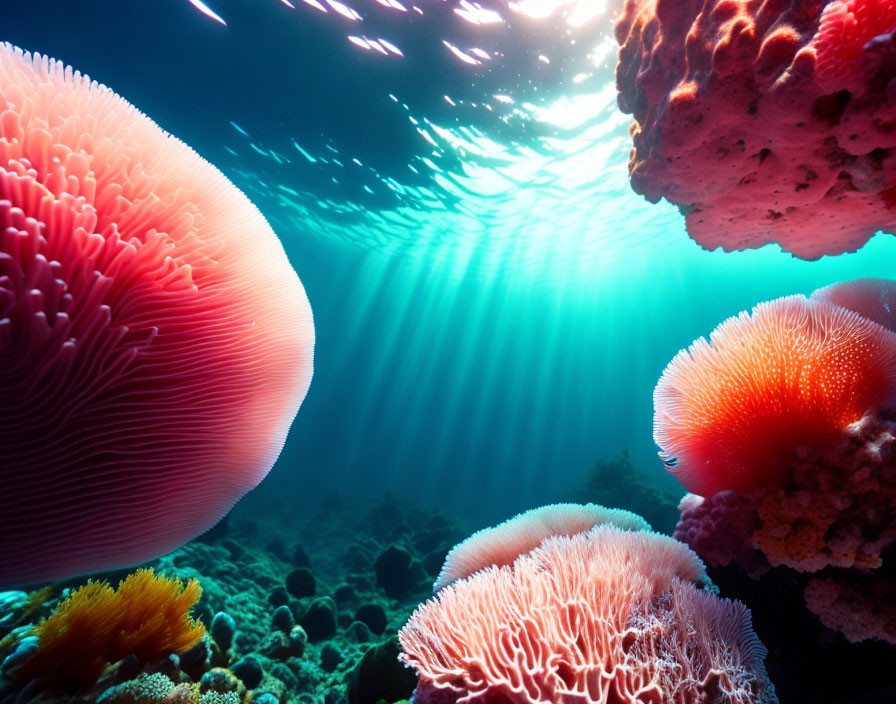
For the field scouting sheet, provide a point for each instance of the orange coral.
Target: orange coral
(731, 413)
(147, 616)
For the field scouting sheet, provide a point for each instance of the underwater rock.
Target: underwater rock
(319, 620)
(276, 646)
(270, 686)
(374, 616)
(249, 671)
(285, 675)
(398, 574)
(221, 680)
(300, 556)
(23, 651)
(278, 596)
(359, 632)
(300, 583)
(118, 236)
(618, 483)
(498, 633)
(223, 629)
(330, 657)
(282, 619)
(265, 698)
(379, 675)
(764, 122)
(197, 660)
(298, 639)
(344, 594)
(12, 607)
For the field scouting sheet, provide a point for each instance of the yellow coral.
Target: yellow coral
(147, 616)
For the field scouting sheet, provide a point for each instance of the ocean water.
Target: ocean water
(493, 303)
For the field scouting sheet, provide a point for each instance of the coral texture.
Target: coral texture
(837, 509)
(147, 616)
(874, 299)
(764, 121)
(608, 615)
(860, 606)
(731, 413)
(155, 343)
(502, 544)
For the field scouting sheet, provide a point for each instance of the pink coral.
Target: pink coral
(860, 606)
(608, 615)
(764, 121)
(155, 342)
(502, 544)
(874, 299)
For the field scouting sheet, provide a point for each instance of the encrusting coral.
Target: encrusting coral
(147, 616)
(764, 121)
(605, 615)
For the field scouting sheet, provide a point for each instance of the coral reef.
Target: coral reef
(132, 272)
(817, 522)
(257, 649)
(617, 482)
(764, 121)
(265, 645)
(837, 508)
(731, 413)
(607, 615)
(146, 617)
(502, 544)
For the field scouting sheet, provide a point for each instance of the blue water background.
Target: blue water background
(493, 304)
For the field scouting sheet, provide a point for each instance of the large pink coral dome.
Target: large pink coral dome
(604, 616)
(155, 343)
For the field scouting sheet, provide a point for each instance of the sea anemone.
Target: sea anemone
(147, 616)
(155, 342)
(604, 616)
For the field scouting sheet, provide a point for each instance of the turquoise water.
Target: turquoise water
(494, 305)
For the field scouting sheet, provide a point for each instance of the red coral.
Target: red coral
(837, 508)
(765, 413)
(764, 121)
(731, 413)
(603, 616)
